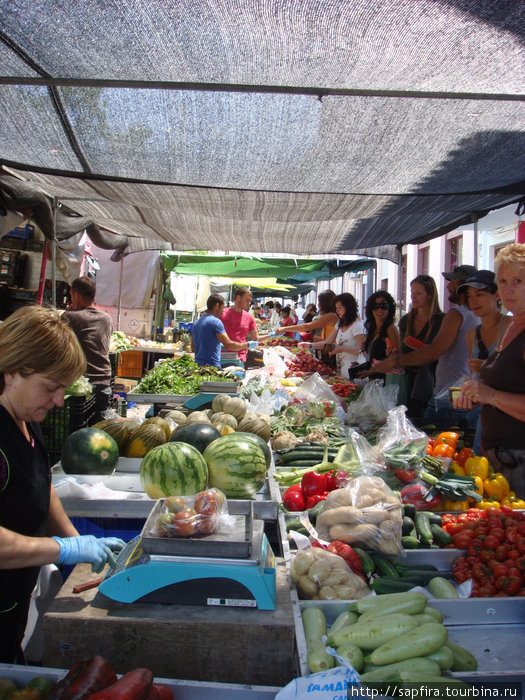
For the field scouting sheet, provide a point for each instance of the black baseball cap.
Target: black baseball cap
(461, 272)
(482, 279)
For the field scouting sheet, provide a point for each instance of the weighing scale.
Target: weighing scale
(234, 570)
(208, 391)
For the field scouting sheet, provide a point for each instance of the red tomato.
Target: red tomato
(491, 542)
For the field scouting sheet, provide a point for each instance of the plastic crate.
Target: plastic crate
(61, 421)
(130, 364)
(125, 528)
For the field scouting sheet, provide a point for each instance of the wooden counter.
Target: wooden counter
(225, 645)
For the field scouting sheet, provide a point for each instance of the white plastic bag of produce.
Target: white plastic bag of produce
(372, 405)
(400, 442)
(364, 513)
(321, 575)
(324, 685)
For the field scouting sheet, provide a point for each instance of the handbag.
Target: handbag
(356, 369)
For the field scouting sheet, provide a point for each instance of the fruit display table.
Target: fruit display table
(225, 645)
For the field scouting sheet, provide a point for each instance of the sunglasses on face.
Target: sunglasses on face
(382, 305)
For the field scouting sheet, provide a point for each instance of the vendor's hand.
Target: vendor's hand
(475, 365)
(473, 392)
(96, 551)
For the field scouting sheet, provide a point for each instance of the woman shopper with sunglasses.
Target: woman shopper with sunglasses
(382, 335)
(501, 386)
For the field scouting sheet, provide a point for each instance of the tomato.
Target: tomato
(486, 556)
(501, 552)
(487, 590)
(461, 541)
(491, 542)
(498, 532)
(509, 584)
(184, 522)
(499, 570)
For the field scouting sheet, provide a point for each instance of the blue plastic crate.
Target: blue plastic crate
(124, 528)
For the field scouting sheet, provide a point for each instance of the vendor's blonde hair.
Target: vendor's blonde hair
(34, 339)
(512, 254)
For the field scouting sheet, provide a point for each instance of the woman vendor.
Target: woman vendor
(501, 386)
(39, 357)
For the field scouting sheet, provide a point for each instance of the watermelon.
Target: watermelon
(262, 444)
(200, 435)
(237, 466)
(89, 451)
(173, 469)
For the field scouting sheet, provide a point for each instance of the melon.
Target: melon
(178, 417)
(118, 429)
(200, 435)
(144, 439)
(234, 405)
(198, 417)
(225, 419)
(173, 469)
(89, 451)
(256, 425)
(237, 466)
(157, 420)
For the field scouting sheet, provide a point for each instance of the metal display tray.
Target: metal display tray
(237, 544)
(493, 629)
(158, 398)
(182, 689)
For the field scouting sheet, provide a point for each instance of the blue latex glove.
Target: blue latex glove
(88, 548)
(252, 344)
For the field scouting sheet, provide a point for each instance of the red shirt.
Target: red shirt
(288, 322)
(237, 326)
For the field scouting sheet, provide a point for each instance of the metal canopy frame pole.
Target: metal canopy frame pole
(119, 308)
(54, 256)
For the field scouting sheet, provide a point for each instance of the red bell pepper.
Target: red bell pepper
(293, 498)
(312, 501)
(336, 479)
(346, 552)
(405, 475)
(313, 484)
(414, 494)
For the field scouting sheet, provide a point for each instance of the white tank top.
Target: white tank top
(453, 364)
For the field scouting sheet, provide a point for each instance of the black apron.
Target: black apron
(25, 482)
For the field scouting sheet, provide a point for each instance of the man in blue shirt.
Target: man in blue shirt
(208, 334)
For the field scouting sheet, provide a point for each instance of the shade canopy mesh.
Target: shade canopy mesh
(290, 126)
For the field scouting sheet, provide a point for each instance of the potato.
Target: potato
(373, 516)
(345, 514)
(336, 577)
(307, 589)
(337, 498)
(327, 593)
(353, 533)
(301, 563)
(319, 571)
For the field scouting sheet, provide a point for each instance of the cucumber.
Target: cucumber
(434, 518)
(409, 542)
(410, 511)
(407, 568)
(441, 537)
(408, 526)
(387, 584)
(416, 665)
(444, 657)
(343, 620)
(408, 603)
(373, 632)
(420, 641)
(353, 654)
(314, 623)
(296, 455)
(463, 659)
(367, 562)
(438, 617)
(318, 658)
(384, 567)
(422, 576)
(299, 464)
(423, 528)
(439, 587)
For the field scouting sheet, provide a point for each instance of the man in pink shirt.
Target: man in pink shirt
(238, 323)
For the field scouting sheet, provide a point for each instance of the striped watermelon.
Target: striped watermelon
(237, 466)
(173, 469)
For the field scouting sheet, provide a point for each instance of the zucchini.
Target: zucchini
(410, 511)
(403, 567)
(420, 641)
(423, 618)
(343, 620)
(314, 623)
(299, 464)
(353, 654)
(422, 575)
(432, 686)
(441, 537)
(408, 603)
(409, 542)
(417, 665)
(444, 657)
(439, 587)
(438, 617)
(367, 562)
(386, 584)
(296, 455)
(407, 528)
(384, 566)
(463, 659)
(373, 632)
(318, 658)
(423, 528)
(434, 518)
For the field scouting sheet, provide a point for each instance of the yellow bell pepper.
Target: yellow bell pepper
(487, 503)
(496, 485)
(477, 466)
(454, 505)
(514, 503)
(478, 485)
(456, 468)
